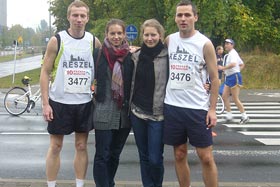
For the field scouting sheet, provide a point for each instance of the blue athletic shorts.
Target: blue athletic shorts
(234, 80)
(182, 124)
(70, 118)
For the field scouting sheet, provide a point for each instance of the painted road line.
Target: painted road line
(38, 133)
(260, 133)
(259, 103)
(258, 112)
(248, 126)
(265, 121)
(260, 107)
(269, 141)
(256, 115)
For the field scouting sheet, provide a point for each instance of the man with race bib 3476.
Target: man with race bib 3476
(190, 111)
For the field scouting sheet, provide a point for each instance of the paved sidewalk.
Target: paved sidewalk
(70, 183)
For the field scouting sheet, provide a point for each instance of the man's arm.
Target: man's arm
(46, 70)
(211, 63)
(97, 43)
(166, 41)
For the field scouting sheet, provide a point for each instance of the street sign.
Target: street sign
(131, 32)
(20, 39)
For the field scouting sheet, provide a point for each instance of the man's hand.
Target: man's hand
(47, 112)
(211, 118)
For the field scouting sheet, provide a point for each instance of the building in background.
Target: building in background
(3, 10)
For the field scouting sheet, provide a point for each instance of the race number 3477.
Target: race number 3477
(77, 81)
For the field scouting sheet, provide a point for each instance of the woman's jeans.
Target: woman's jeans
(148, 137)
(109, 145)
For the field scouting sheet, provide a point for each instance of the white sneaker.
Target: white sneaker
(244, 120)
(229, 118)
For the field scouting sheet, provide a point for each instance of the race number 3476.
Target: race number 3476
(181, 76)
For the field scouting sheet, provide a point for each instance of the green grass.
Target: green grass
(7, 82)
(262, 71)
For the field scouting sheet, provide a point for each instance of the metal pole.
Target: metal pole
(15, 59)
(50, 27)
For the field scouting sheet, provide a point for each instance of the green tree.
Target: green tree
(253, 24)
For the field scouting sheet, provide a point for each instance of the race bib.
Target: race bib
(182, 76)
(77, 80)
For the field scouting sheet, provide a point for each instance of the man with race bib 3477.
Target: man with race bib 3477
(67, 103)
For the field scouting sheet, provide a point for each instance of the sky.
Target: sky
(27, 13)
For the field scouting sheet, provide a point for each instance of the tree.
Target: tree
(253, 24)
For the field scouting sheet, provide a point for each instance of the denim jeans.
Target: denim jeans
(148, 136)
(109, 145)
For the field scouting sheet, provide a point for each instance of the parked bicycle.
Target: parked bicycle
(18, 100)
(220, 106)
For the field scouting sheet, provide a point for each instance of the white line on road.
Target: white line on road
(266, 126)
(260, 133)
(38, 133)
(255, 115)
(236, 121)
(269, 141)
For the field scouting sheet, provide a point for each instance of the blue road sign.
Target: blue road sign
(131, 32)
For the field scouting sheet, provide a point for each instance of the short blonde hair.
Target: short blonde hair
(77, 3)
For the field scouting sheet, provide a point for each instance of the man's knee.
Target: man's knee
(81, 146)
(55, 149)
(206, 159)
(180, 153)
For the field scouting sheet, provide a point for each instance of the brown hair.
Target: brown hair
(219, 47)
(186, 3)
(114, 22)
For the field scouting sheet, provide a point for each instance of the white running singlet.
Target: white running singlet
(187, 72)
(73, 70)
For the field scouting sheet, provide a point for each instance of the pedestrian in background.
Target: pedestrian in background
(111, 121)
(233, 81)
(220, 61)
(67, 103)
(188, 115)
(147, 96)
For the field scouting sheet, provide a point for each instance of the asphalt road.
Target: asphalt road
(20, 65)
(241, 159)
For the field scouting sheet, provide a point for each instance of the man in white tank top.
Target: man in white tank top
(190, 111)
(67, 104)
(233, 81)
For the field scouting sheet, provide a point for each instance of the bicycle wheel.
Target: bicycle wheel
(220, 106)
(16, 101)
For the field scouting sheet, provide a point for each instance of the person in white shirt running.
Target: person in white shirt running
(233, 81)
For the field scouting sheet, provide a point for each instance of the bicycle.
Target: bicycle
(220, 106)
(18, 100)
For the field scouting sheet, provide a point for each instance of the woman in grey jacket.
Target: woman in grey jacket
(147, 96)
(111, 122)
